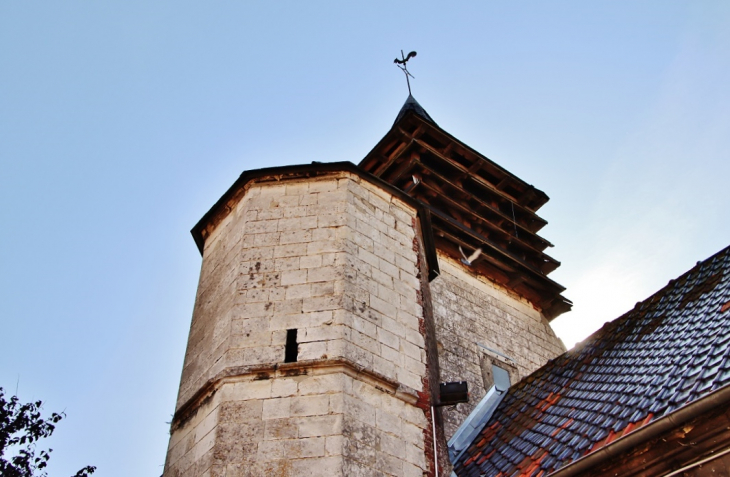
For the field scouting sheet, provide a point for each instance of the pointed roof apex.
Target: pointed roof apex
(412, 105)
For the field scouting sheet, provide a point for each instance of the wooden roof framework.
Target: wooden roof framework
(474, 203)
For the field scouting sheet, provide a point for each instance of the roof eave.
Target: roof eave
(313, 169)
(667, 423)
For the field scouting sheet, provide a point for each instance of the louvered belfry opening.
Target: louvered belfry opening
(473, 202)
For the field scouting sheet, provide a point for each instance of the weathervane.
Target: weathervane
(404, 68)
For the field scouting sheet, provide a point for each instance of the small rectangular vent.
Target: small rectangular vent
(453, 393)
(292, 348)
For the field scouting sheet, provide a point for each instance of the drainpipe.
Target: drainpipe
(435, 449)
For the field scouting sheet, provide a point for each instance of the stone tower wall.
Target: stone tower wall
(334, 257)
(468, 310)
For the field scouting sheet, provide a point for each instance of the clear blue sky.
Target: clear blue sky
(122, 122)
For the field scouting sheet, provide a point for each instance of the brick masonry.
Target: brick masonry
(469, 309)
(332, 257)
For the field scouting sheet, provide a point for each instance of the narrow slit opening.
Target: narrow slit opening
(292, 348)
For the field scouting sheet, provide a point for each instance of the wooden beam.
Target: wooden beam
(452, 204)
(444, 136)
(496, 270)
(488, 206)
(508, 256)
(487, 185)
(391, 158)
(403, 168)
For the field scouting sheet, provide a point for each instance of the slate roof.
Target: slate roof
(670, 350)
(412, 105)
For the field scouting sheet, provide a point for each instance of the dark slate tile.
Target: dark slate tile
(627, 373)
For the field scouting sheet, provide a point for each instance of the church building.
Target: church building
(392, 318)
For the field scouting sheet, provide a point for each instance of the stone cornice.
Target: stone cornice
(316, 367)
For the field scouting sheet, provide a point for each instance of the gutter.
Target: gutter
(650, 431)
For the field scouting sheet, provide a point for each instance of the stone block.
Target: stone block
(245, 390)
(283, 387)
(388, 339)
(233, 441)
(332, 220)
(324, 384)
(365, 342)
(331, 197)
(313, 350)
(384, 253)
(382, 278)
(309, 405)
(299, 291)
(415, 455)
(277, 429)
(323, 274)
(322, 303)
(409, 379)
(379, 200)
(270, 450)
(319, 426)
(269, 190)
(356, 407)
(205, 444)
(325, 466)
(323, 235)
(389, 464)
(408, 320)
(410, 470)
(277, 408)
(360, 441)
(382, 306)
(310, 261)
(290, 250)
(262, 226)
(297, 188)
(321, 333)
(322, 246)
(285, 306)
(266, 239)
(327, 185)
(367, 393)
(391, 355)
(365, 326)
(324, 289)
(384, 367)
(333, 445)
(295, 236)
(393, 445)
(388, 422)
(415, 366)
(363, 241)
(391, 325)
(239, 411)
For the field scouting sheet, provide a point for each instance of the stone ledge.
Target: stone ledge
(315, 367)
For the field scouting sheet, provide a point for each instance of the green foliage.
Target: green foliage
(21, 427)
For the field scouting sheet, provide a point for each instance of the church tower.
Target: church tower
(334, 298)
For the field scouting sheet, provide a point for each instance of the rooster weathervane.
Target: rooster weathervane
(404, 67)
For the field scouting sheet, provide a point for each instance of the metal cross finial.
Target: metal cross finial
(404, 68)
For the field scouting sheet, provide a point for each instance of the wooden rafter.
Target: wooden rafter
(473, 203)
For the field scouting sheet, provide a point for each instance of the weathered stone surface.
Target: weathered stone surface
(332, 257)
(469, 310)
